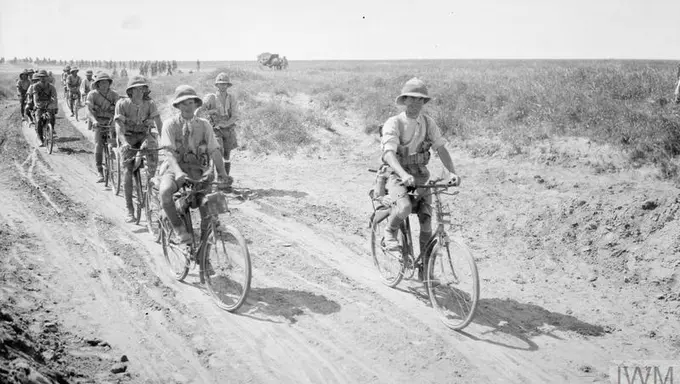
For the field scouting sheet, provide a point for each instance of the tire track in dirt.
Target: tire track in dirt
(276, 344)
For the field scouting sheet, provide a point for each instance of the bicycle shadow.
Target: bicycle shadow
(254, 194)
(65, 139)
(287, 303)
(512, 324)
(71, 151)
(523, 321)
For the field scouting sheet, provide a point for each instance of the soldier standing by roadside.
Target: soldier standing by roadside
(221, 110)
(101, 103)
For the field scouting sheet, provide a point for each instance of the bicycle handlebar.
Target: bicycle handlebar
(194, 181)
(433, 184)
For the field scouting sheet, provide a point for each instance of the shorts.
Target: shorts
(396, 191)
(226, 138)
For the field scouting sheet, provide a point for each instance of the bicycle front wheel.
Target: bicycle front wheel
(138, 198)
(115, 171)
(226, 268)
(49, 137)
(152, 209)
(389, 263)
(176, 255)
(453, 283)
(107, 166)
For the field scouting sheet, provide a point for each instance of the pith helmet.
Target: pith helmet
(415, 88)
(67, 68)
(134, 82)
(74, 69)
(101, 77)
(88, 72)
(42, 73)
(185, 92)
(35, 76)
(223, 78)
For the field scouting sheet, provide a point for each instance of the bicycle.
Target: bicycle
(450, 274)
(44, 128)
(222, 253)
(141, 191)
(110, 159)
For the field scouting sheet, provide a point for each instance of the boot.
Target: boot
(130, 217)
(391, 242)
(100, 178)
(423, 240)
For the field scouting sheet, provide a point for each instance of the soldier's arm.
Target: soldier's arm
(119, 119)
(233, 107)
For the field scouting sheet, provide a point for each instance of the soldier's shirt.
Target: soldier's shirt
(131, 115)
(225, 105)
(200, 134)
(412, 135)
(23, 85)
(86, 86)
(45, 95)
(103, 104)
(73, 82)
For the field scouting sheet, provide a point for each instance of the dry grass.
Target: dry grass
(512, 105)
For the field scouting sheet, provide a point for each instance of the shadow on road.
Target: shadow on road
(66, 139)
(254, 194)
(508, 317)
(512, 324)
(287, 303)
(71, 151)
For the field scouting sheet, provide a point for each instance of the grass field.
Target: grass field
(509, 106)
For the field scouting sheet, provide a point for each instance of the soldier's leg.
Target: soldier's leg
(151, 156)
(99, 152)
(398, 213)
(22, 105)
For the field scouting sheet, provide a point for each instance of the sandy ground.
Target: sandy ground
(578, 269)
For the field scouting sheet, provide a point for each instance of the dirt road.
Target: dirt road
(562, 295)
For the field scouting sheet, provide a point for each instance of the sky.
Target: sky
(340, 30)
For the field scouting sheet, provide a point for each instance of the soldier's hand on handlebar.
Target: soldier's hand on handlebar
(408, 180)
(225, 180)
(453, 180)
(124, 147)
(180, 178)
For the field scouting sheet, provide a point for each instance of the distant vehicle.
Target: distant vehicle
(272, 60)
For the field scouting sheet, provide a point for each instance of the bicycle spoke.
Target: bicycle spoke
(227, 268)
(453, 284)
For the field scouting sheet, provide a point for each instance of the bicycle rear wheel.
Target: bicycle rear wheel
(138, 196)
(152, 209)
(49, 137)
(453, 283)
(389, 264)
(115, 171)
(226, 267)
(176, 255)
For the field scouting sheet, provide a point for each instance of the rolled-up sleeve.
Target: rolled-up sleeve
(168, 136)
(233, 108)
(119, 114)
(390, 135)
(210, 138)
(435, 134)
(153, 110)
